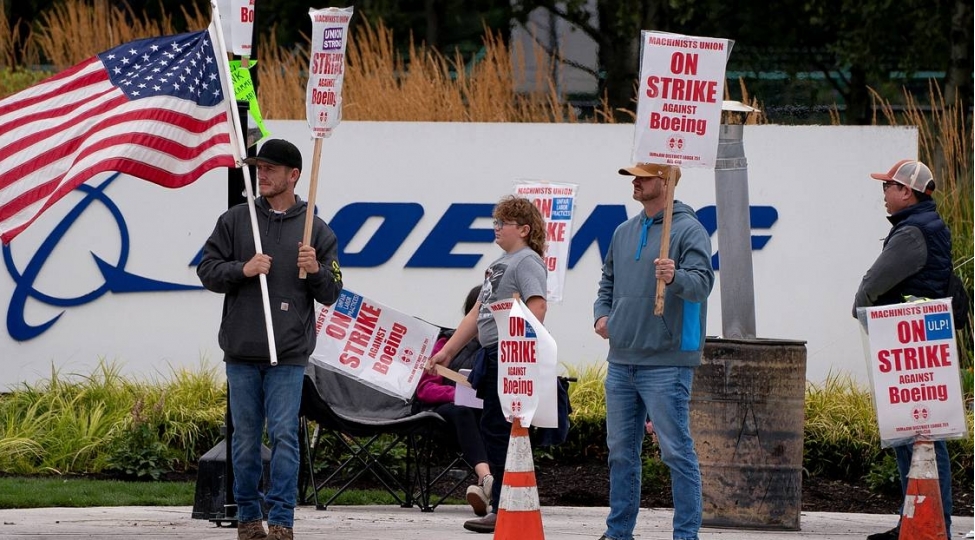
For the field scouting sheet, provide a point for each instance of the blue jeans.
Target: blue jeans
(663, 393)
(260, 393)
(903, 453)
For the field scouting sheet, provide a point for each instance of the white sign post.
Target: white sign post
(913, 365)
(679, 102)
(527, 362)
(374, 344)
(556, 203)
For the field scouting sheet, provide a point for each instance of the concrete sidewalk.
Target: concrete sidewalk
(394, 523)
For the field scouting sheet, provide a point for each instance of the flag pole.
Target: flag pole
(238, 144)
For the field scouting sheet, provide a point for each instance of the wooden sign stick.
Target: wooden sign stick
(448, 373)
(316, 160)
(670, 184)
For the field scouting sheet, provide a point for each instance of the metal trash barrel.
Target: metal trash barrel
(747, 420)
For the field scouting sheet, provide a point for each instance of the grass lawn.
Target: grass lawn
(41, 492)
(47, 491)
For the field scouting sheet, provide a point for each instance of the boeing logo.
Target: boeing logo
(116, 279)
(398, 220)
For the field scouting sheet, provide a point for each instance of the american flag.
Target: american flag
(153, 108)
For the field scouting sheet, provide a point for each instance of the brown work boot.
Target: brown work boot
(251, 530)
(278, 532)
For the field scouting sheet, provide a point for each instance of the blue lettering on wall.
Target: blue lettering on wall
(398, 221)
(598, 228)
(454, 227)
(761, 217)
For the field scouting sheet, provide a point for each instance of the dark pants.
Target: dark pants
(467, 432)
(495, 428)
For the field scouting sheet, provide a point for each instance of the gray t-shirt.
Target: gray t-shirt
(521, 272)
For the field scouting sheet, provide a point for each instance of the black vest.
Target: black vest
(932, 280)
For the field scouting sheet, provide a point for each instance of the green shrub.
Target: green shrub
(587, 423)
(883, 476)
(140, 454)
(76, 424)
(13, 80)
(654, 471)
(841, 440)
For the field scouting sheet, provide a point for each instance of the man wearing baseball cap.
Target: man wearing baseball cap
(915, 262)
(651, 359)
(260, 392)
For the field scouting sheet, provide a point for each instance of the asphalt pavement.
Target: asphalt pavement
(395, 523)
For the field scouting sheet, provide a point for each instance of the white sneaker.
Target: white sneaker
(487, 484)
(479, 496)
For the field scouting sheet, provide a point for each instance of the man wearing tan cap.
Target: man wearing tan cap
(652, 358)
(915, 262)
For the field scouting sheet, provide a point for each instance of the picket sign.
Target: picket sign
(241, 28)
(556, 202)
(912, 363)
(527, 362)
(373, 343)
(678, 112)
(323, 93)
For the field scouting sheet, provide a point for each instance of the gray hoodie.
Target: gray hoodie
(628, 288)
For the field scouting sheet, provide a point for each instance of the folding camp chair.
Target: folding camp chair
(368, 425)
(441, 470)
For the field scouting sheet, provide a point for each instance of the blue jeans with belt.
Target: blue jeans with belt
(262, 393)
(663, 393)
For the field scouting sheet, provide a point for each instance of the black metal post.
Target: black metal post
(235, 177)
(230, 503)
(235, 196)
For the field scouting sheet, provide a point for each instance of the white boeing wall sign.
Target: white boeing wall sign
(108, 273)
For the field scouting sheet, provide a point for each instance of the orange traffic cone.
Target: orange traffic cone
(923, 515)
(519, 513)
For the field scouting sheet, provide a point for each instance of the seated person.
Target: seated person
(436, 393)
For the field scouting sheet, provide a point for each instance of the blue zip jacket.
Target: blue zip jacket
(628, 288)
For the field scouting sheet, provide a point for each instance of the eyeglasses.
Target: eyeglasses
(889, 184)
(499, 224)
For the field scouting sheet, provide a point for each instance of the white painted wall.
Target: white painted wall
(831, 223)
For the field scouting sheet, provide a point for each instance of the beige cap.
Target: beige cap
(650, 170)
